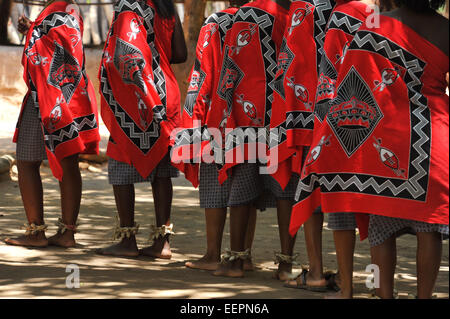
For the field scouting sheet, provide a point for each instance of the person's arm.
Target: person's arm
(179, 49)
(24, 25)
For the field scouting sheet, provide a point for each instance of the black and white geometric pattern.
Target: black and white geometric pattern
(65, 72)
(144, 140)
(130, 63)
(224, 21)
(344, 22)
(354, 113)
(416, 185)
(69, 132)
(322, 13)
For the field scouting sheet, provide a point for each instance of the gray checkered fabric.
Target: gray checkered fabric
(341, 221)
(211, 193)
(120, 173)
(30, 141)
(271, 185)
(382, 227)
(245, 185)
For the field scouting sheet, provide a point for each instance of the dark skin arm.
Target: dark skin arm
(24, 25)
(179, 49)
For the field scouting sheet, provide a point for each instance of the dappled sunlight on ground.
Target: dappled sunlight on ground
(26, 273)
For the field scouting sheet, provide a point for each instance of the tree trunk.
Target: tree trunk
(5, 11)
(194, 16)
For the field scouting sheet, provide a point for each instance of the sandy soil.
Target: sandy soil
(32, 273)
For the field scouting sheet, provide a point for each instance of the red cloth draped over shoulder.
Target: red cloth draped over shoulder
(203, 116)
(383, 146)
(54, 71)
(246, 80)
(139, 93)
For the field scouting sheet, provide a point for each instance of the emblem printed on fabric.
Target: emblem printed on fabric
(37, 59)
(354, 113)
(143, 110)
(244, 38)
(135, 25)
(230, 77)
(130, 63)
(208, 35)
(326, 88)
(285, 59)
(388, 77)
(340, 58)
(388, 158)
(316, 151)
(299, 16)
(301, 93)
(65, 72)
(248, 107)
(197, 79)
(75, 40)
(55, 115)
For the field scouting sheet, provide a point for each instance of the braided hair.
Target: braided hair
(421, 5)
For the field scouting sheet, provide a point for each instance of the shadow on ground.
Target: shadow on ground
(26, 273)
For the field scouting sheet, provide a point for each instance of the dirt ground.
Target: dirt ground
(41, 273)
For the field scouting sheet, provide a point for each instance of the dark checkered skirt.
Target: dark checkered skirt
(30, 140)
(211, 193)
(341, 221)
(120, 173)
(248, 186)
(383, 227)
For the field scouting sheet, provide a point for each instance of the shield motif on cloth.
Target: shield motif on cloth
(65, 72)
(354, 114)
(130, 63)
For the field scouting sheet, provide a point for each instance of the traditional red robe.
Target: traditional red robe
(140, 95)
(54, 71)
(202, 112)
(383, 145)
(247, 80)
(295, 86)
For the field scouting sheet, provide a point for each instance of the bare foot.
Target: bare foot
(38, 240)
(248, 265)
(159, 249)
(65, 240)
(284, 272)
(233, 269)
(204, 263)
(126, 248)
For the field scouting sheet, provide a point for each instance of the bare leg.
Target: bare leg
(284, 209)
(429, 254)
(215, 223)
(125, 199)
(344, 241)
(162, 196)
(30, 185)
(385, 256)
(249, 237)
(239, 217)
(70, 187)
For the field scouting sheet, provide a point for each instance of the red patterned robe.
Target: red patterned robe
(247, 79)
(384, 140)
(202, 112)
(54, 71)
(139, 93)
(295, 85)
